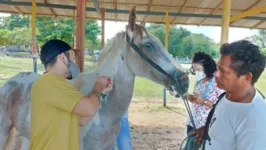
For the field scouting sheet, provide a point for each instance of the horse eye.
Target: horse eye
(148, 45)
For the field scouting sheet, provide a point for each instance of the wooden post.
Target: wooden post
(167, 28)
(74, 31)
(225, 21)
(33, 28)
(103, 28)
(80, 32)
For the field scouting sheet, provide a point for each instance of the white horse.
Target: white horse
(131, 53)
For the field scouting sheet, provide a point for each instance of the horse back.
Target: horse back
(16, 87)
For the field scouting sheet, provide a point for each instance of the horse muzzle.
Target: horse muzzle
(179, 83)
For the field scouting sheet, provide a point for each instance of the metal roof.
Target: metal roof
(187, 12)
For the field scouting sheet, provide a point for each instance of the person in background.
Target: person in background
(123, 140)
(239, 118)
(205, 93)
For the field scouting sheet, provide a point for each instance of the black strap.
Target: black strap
(206, 130)
(147, 59)
(261, 94)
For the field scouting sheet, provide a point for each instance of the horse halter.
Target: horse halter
(137, 49)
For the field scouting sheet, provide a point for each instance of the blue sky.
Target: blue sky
(111, 28)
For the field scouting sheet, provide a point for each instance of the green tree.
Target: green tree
(264, 51)
(4, 34)
(19, 36)
(62, 28)
(260, 40)
(16, 30)
(15, 21)
(183, 43)
(204, 44)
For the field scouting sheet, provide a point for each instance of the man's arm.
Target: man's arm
(87, 106)
(85, 119)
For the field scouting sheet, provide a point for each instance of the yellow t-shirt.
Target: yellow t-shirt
(53, 126)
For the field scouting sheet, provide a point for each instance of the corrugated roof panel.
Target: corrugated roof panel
(244, 22)
(168, 2)
(262, 25)
(242, 4)
(135, 1)
(212, 21)
(192, 6)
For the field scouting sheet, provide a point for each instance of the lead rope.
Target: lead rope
(186, 104)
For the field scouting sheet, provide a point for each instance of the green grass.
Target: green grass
(143, 87)
(147, 88)
(11, 66)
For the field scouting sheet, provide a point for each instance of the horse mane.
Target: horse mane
(110, 54)
(107, 61)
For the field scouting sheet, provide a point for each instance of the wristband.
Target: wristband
(98, 96)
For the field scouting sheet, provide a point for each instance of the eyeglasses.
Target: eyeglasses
(192, 71)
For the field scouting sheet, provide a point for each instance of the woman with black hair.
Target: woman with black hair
(205, 92)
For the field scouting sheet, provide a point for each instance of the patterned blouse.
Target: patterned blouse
(209, 91)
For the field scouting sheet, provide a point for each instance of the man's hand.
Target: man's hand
(109, 87)
(100, 83)
(173, 93)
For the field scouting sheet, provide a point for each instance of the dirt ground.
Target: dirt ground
(154, 127)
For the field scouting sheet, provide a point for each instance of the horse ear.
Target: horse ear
(132, 18)
(143, 23)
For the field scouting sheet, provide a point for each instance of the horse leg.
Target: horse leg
(5, 126)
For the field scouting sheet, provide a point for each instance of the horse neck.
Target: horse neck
(119, 98)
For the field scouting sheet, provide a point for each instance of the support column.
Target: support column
(225, 21)
(33, 28)
(103, 23)
(167, 28)
(80, 32)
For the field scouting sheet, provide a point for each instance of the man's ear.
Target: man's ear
(247, 78)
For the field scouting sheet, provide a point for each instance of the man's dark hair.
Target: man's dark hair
(51, 49)
(245, 58)
(207, 62)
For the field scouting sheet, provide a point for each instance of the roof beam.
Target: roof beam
(51, 9)
(97, 6)
(214, 10)
(248, 13)
(257, 24)
(251, 6)
(148, 9)
(180, 11)
(16, 8)
(125, 11)
(254, 4)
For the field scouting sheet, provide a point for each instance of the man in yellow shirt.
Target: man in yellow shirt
(57, 107)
